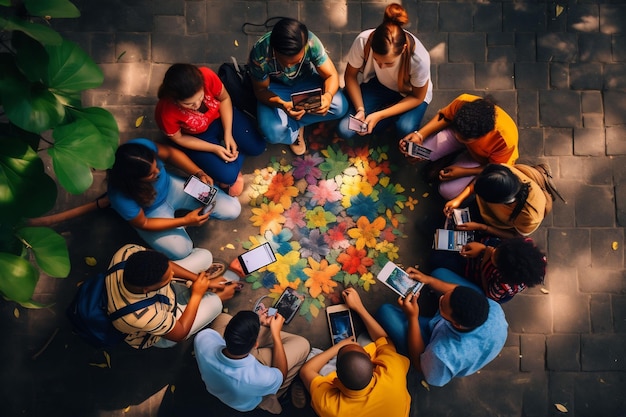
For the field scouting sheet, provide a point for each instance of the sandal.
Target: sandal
(298, 394)
(299, 146)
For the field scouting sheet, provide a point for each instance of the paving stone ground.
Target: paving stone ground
(561, 76)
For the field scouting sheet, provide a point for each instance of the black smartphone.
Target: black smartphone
(288, 303)
(256, 258)
(339, 323)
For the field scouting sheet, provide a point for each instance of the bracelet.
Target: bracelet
(419, 135)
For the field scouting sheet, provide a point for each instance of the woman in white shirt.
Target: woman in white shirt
(396, 86)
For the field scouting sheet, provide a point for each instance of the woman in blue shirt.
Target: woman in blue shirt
(147, 196)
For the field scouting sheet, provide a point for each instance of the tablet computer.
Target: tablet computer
(398, 280)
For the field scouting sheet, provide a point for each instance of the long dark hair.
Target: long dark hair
(389, 35)
(499, 185)
(181, 82)
(132, 163)
(289, 36)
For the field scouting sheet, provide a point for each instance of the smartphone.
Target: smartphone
(307, 100)
(339, 323)
(289, 303)
(418, 151)
(202, 192)
(357, 125)
(271, 312)
(256, 258)
(398, 280)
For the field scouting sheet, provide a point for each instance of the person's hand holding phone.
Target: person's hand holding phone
(204, 177)
(196, 218)
(418, 275)
(292, 111)
(276, 324)
(472, 249)
(409, 305)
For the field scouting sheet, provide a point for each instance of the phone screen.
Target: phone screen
(400, 281)
(418, 151)
(202, 192)
(288, 303)
(356, 124)
(257, 258)
(340, 325)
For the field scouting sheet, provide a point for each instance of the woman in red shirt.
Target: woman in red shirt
(196, 112)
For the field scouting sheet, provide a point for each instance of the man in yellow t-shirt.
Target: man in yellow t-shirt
(369, 381)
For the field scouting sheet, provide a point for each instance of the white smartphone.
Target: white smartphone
(202, 192)
(257, 258)
(418, 151)
(356, 124)
(398, 280)
(339, 322)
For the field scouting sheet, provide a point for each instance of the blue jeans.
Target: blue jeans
(277, 127)
(394, 321)
(175, 243)
(249, 142)
(377, 97)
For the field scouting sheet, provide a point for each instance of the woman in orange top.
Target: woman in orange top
(482, 132)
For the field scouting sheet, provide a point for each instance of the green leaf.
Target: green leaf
(28, 191)
(6, 3)
(52, 8)
(49, 248)
(41, 33)
(32, 107)
(75, 176)
(34, 304)
(83, 141)
(104, 122)
(71, 69)
(31, 58)
(18, 278)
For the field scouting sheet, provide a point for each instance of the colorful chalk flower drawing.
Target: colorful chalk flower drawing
(332, 217)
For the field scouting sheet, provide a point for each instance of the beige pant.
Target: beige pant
(296, 347)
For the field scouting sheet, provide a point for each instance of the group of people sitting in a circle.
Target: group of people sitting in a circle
(246, 360)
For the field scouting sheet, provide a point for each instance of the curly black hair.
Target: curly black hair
(470, 308)
(475, 119)
(145, 268)
(520, 261)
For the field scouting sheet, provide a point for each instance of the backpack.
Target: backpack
(236, 80)
(88, 311)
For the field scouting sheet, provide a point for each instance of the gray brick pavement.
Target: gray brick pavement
(563, 79)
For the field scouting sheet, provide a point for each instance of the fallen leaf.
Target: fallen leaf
(543, 290)
(139, 121)
(90, 260)
(615, 245)
(108, 358)
(172, 388)
(230, 246)
(99, 365)
(425, 195)
(425, 385)
(559, 10)
(412, 190)
(16, 313)
(127, 409)
(561, 408)
(236, 42)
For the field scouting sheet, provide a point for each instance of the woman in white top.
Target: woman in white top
(396, 86)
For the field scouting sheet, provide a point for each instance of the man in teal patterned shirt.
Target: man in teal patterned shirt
(291, 59)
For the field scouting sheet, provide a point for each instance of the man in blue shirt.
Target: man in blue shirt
(468, 331)
(250, 366)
